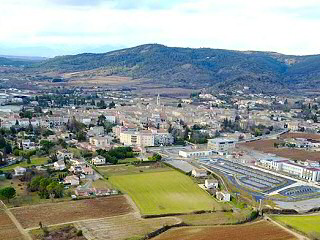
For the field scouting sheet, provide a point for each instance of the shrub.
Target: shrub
(79, 233)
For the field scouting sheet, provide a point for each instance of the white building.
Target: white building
(72, 180)
(142, 138)
(196, 153)
(197, 172)
(96, 131)
(221, 144)
(59, 165)
(100, 142)
(211, 183)
(98, 160)
(18, 171)
(64, 154)
(223, 196)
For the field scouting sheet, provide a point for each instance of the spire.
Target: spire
(158, 100)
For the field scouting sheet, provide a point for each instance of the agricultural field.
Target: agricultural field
(55, 213)
(35, 161)
(8, 230)
(215, 218)
(67, 231)
(268, 147)
(122, 227)
(306, 224)
(164, 192)
(261, 230)
(313, 136)
(124, 169)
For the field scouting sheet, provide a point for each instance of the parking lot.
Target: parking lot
(299, 191)
(247, 177)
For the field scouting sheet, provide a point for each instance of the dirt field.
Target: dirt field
(8, 230)
(268, 147)
(54, 213)
(261, 230)
(122, 227)
(301, 135)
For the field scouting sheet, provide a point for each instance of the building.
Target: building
(19, 171)
(64, 154)
(142, 138)
(59, 165)
(196, 153)
(100, 142)
(221, 144)
(72, 180)
(98, 160)
(197, 172)
(223, 196)
(96, 131)
(211, 183)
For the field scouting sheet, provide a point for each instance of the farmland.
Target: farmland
(301, 135)
(8, 230)
(261, 230)
(122, 227)
(305, 224)
(164, 192)
(123, 169)
(268, 147)
(55, 213)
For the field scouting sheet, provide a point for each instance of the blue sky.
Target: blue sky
(58, 27)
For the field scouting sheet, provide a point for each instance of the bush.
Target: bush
(79, 233)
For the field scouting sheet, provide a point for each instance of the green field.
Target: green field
(306, 224)
(164, 192)
(123, 169)
(34, 161)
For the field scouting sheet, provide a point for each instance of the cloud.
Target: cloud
(286, 26)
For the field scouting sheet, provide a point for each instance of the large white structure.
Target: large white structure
(142, 138)
(196, 153)
(221, 144)
(98, 160)
(211, 183)
(100, 142)
(197, 172)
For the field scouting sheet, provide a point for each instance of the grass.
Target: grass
(123, 169)
(215, 218)
(34, 161)
(305, 224)
(164, 192)
(128, 160)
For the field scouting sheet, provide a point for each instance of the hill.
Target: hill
(196, 68)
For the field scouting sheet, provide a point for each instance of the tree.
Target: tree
(179, 105)
(112, 105)
(7, 193)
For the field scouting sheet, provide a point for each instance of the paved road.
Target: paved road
(23, 231)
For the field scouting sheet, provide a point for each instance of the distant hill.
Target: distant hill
(15, 62)
(197, 68)
(27, 58)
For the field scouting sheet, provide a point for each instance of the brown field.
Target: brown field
(261, 230)
(295, 154)
(301, 135)
(8, 230)
(122, 227)
(63, 212)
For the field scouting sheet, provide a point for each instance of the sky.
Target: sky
(59, 27)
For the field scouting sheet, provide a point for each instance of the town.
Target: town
(234, 151)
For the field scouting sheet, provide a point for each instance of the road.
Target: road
(23, 231)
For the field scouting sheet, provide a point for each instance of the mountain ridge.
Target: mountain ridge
(195, 68)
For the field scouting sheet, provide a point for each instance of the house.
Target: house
(19, 171)
(197, 172)
(98, 160)
(72, 180)
(221, 144)
(64, 154)
(59, 165)
(223, 196)
(87, 170)
(211, 183)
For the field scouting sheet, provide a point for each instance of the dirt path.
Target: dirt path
(23, 231)
(297, 235)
